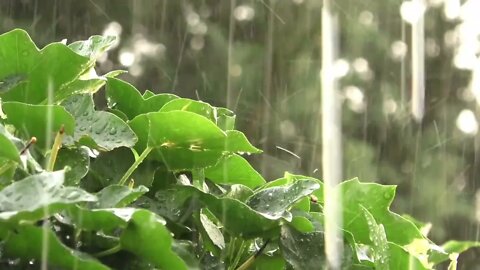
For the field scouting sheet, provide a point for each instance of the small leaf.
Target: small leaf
(33, 242)
(452, 247)
(118, 196)
(97, 129)
(212, 231)
(105, 220)
(302, 250)
(8, 150)
(126, 98)
(76, 160)
(93, 47)
(190, 105)
(40, 121)
(274, 202)
(39, 196)
(379, 240)
(147, 237)
(234, 170)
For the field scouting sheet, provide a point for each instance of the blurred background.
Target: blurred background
(262, 59)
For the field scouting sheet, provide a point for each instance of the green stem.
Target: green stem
(135, 165)
(198, 176)
(107, 252)
(251, 260)
(56, 146)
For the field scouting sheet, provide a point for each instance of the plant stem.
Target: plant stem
(198, 176)
(135, 165)
(250, 260)
(107, 252)
(56, 146)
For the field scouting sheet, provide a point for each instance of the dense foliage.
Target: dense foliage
(158, 181)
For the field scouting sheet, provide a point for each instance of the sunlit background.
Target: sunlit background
(262, 58)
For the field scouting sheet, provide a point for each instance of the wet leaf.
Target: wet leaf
(40, 121)
(376, 199)
(190, 105)
(234, 170)
(302, 250)
(32, 73)
(381, 253)
(212, 231)
(97, 129)
(77, 162)
(105, 220)
(274, 202)
(93, 47)
(147, 237)
(9, 149)
(39, 196)
(126, 98)
(118, 196)
(32, 242)
(452, 247)
(185, 140)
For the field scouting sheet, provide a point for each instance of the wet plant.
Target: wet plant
(156, 181)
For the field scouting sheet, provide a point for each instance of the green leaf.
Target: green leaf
(225, 119)
(212, 231)
(76, 160)
(302, 250)
(40, 121)
(118, 196)
(234, 170)
(376, 199)
(265, 262)
(98, 129)
(190, 105)
(93, 47)
(185, 140)
(33, 75)
(379, 240)
(401, 259)
(452, 247)
(105, 220)
(8, 150)
(33, 242)
(126, 98)
(108, 167)
(237, 217)
(147, 237)
(39, 196)
(274, 202)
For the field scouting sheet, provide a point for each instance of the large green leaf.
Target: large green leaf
(376, 199)
(147, 237)
(185, 140)
(40, 121)
(32, 242)
(33, 75)
(98, 129)
(126, 98)
(105, 220)
(39, 196)
(234, 170)
(274, 202)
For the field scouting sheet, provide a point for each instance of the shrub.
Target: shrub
(155, 181)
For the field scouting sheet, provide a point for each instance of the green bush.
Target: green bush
(155, 181)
